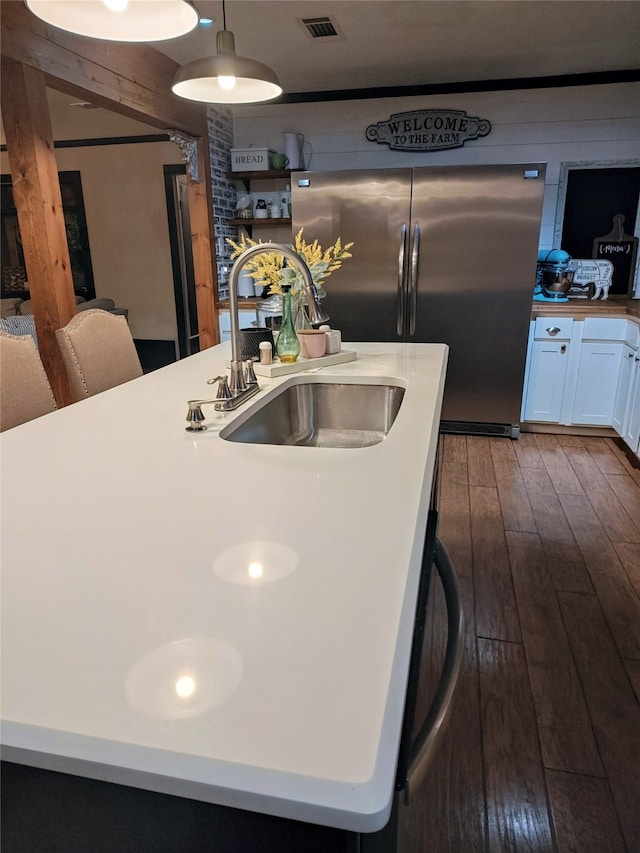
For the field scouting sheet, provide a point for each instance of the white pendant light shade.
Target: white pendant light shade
(226, 78)
(118, 20)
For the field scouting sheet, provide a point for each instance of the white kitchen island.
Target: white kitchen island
(224, 622)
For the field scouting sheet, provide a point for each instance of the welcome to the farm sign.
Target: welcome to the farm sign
(428, 130)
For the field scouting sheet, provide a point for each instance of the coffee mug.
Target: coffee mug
(313, 342)
(279, 161)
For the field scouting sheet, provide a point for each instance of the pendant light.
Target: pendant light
(118, 20)
(226, 78)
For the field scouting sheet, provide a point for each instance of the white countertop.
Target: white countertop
(125, 547)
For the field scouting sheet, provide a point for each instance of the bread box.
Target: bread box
(251, 159)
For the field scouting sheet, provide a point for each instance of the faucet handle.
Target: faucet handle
(223, 387)
(249, 373)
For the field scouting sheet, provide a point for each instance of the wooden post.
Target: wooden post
(204, 268)
(38, 201)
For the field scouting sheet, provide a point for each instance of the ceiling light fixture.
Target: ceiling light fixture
(119, 20)
(226, 78)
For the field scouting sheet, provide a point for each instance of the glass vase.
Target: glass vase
(299, 311)
(288, 345)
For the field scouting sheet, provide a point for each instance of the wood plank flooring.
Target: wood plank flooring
(542, 752)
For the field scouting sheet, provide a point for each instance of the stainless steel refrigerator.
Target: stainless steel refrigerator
(441, 255)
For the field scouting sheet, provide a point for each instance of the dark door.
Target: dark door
(184, 286)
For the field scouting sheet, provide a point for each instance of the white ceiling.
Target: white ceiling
(400, 43)
(414, 42)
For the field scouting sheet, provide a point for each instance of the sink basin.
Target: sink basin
(321, 414)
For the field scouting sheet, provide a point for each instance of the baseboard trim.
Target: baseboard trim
(558, 429)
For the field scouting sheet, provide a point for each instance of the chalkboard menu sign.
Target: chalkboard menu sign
(621, 249)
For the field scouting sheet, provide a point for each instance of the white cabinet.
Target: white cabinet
(547, 375)
(623, 391)
(631, 434)
(547, 369)
(596, 384)
(584, 373)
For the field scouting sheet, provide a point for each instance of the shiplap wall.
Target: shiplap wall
(583, 123)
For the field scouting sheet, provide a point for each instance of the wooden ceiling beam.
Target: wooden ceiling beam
(136, 77)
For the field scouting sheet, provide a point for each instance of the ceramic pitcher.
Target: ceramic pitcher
(293, 143)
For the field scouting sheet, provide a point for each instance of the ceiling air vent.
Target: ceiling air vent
(322, 28)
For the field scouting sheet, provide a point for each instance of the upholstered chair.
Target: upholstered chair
(25, 392)
(98, 352)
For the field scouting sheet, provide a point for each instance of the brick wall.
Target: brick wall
(220, 121)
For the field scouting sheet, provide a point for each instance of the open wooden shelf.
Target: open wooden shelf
(248, 222)
(256, 176)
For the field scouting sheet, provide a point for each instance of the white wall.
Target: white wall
(125, 207)
(539, 125)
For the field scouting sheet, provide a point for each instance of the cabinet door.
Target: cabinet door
(632, 431)
(621, 404)
(547, 375)
(597, 382)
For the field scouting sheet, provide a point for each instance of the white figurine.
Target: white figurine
(601, 289)
(595, 272)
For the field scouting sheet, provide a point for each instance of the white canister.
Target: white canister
(246, 285)
(261, 211)
(334, 340)
(266, 352)
(275, 211)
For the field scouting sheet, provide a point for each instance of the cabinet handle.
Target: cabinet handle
(637, 358)
(553, 330)
(563, 348)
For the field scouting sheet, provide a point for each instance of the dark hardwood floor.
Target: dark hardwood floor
(543, 749)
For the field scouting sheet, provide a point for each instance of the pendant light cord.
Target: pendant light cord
(224, 16)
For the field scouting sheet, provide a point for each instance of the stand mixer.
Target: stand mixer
(554, 276)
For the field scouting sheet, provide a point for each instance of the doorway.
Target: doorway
(184, 284)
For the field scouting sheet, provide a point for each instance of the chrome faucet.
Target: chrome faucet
(242, 383)
(316, 312)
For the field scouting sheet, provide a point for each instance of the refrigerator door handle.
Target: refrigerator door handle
(400, 301)
(412, 294)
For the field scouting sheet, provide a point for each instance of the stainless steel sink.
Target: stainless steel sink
(321, 414)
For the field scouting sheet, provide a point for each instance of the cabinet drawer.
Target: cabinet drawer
(553, 328)
(610, 329)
